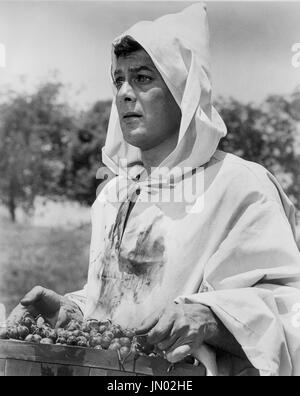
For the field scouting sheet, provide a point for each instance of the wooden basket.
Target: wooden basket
(23, 359)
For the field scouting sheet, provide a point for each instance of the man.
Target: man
(215, 267)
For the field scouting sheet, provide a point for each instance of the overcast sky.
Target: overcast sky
(251, 44)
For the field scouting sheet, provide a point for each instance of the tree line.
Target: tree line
(49, 149)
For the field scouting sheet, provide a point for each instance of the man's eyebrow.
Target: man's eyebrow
(135, 69)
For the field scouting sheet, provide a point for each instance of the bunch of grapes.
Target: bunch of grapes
(93, 334)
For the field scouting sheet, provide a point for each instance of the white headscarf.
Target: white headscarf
(178, 45)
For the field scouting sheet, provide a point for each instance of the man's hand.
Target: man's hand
(180, 329)
(56, 309)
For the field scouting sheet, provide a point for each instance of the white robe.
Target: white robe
(229, 245)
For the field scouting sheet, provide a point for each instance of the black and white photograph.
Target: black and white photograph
(149, 191)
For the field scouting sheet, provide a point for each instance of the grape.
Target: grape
(124, 351)
(13, 333)
(95, 340)
(129, 333)
(77, 333)
(29, 338)
(109, 334)
(72, 340)
(82, 342)
(102, 329)
(47, 341)
(106, 323)
(23, 332)
(73, 325)
(40, 322)
(36, 338)
(98, 347)
(4, 334)
(94, 333)
(114, 346)
(105, 343)
(93, 324)
(62, 333)
(28, 321)
(117, 331)
(52, 334)
(85, 328)
(86, 335)
(68, 334)
(61, 341)
(33, 329)
(124, 341)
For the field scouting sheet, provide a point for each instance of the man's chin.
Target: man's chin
(136, 139)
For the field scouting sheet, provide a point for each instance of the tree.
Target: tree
(34, 135)
(267, 134)
(85, 152)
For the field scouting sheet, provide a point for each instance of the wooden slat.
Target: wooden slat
(21, 368)
(58, 354)
(114, 373)
(91, 359)
(159, 367)
(2, 367)
(143, 365)
(57, 370)
(185, 370)
(98, 372)
(146, 365)
(110, 373)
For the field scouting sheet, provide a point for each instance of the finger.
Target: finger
(147, 325)
(33, 296)
(161, 331)
(174, 339)
(168, 343)
(179, 353)
(16, 315)
(61, 320)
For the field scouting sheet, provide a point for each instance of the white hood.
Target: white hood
(178, 45)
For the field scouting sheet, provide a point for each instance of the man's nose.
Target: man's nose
(126, 93)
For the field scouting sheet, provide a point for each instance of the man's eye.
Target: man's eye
(143, 79)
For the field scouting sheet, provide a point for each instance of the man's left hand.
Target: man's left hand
(180, 329)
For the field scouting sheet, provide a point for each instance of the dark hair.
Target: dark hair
(126, 46)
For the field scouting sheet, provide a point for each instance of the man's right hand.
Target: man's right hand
(56, 309)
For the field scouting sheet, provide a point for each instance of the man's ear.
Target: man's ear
(104, 175)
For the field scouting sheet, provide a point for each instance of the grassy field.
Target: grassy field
(52, 257)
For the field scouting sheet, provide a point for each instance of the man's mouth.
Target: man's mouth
(131, 115)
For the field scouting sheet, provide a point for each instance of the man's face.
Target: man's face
(147, 110)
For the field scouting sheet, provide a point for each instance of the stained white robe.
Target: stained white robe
(229, 244)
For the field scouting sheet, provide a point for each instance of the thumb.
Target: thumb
(33, 296)
(179, 353)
